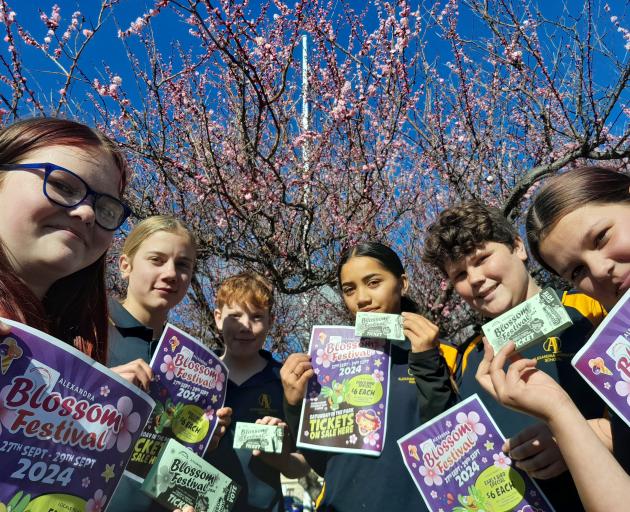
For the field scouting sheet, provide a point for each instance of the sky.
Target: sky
(108, 49)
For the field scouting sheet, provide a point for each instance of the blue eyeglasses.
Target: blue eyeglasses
(65, 188)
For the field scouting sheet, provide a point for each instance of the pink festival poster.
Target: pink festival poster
(345, 409)
(189, 385)
(604, 360)
(458, 466)
(67, 425)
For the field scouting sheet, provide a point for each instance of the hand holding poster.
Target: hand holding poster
(458, 466)
(67, 425)
(345, 409)
(604, 360)
(188, 386)
(179, 477)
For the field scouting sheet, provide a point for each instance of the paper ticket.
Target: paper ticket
(530, 322)
(253, 436)
(379, 325)
(180, 478)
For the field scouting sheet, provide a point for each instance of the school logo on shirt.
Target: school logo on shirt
(264, 401)
(551, 345)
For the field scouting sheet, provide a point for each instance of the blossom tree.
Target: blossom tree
(410, 109)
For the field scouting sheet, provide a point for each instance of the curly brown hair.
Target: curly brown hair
(461, 229)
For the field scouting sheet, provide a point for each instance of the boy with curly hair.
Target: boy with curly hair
(483, 257)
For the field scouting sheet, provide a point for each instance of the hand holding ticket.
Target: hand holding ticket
(379, 325)
(532, 321)
(254, 436)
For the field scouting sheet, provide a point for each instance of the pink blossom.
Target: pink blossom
(168, 367)
(129, 424)
(431, 476)
(87, 32)
(322, 358)
(220, 377)
(97, 502)
(501, 460)
(623, 389)
(378, 375)
(7, 416)
(472, 420)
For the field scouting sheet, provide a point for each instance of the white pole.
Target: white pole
(305, 113)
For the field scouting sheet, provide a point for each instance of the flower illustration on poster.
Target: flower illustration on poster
(430, 475)
(129, 424)
(97, 502)
(473, 421)
(322, 358)
(209, 413)
(104, 391)
(7, 415)
(623, 389)
(378, 375)
(168, 367)
(220, 377)
(501, 460)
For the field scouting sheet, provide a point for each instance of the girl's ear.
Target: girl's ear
(404, 282)
(218, 318)
(124, 264)
(519, 249)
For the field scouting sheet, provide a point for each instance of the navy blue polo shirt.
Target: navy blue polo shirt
(260, 395)
(128, 339)
(554, 358)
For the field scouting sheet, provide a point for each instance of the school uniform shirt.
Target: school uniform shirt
(359, 483)
(259, 396)
(554, 358)
(129, 340)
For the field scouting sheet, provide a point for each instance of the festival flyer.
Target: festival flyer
(188, 387)
(458, 466)
(67, 425)
(179, 477)
(345, 409)
(604, 360)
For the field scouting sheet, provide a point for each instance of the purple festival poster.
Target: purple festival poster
(189, 384)
(345, 409)
(67, 425)
(458, 466)
(604, 360)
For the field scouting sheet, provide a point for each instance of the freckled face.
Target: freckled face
(366, 285)
(591, 248)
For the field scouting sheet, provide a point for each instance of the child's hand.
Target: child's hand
(270, 420)
(523, 387)
(483, 370)
(224, 415)
(5, 329)
(295, 374)
(137, 372)
(422, 333)
(535, 450)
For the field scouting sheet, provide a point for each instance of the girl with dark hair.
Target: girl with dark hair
(577, 228)
(372, 278)
(60, 189)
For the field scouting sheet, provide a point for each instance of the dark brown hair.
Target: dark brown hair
(74, 309)
(387, 257)
(461, 229)
(565, 193)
